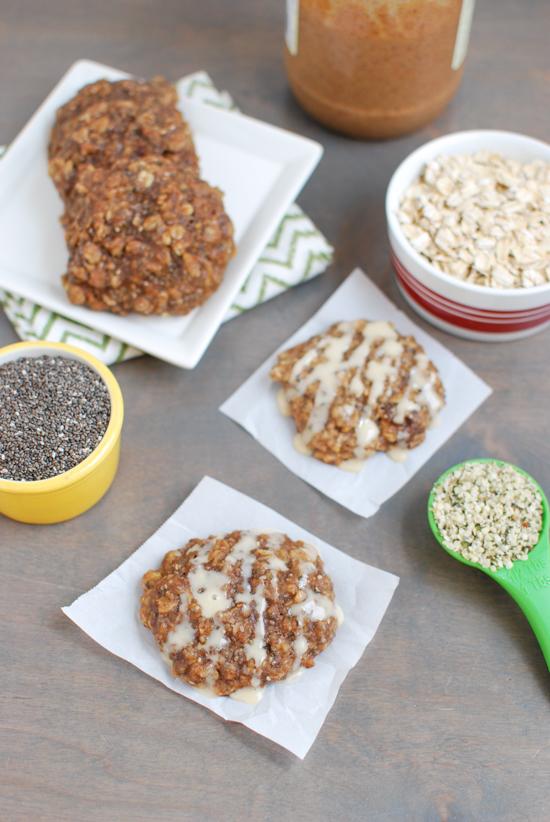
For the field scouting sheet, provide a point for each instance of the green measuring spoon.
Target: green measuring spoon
(528, 580)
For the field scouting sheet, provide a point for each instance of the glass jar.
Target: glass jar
(376, 68)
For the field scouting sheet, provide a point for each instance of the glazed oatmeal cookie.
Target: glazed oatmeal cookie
(145, 237)
(233, 613)
(108, 121)
(358, 388)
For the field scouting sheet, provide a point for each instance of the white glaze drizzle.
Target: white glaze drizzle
(398, 454)
(256, 649)
(300, 445)
(352, 466)
(420, 390)
(216, 639)
(282, 403)
(250, 696)
(366, 432)
(325, 366)
(296, 674)
(326, 373)
(181, 635)
(315, 607)
(299, 647)
(331, 368)
(209, 589)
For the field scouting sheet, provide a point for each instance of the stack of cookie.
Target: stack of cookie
(145, 233)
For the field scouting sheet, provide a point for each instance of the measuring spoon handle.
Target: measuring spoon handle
(536, 607)
(533, 597)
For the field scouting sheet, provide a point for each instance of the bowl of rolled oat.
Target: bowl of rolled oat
(468, 219)
(61, 414)
(494, 516)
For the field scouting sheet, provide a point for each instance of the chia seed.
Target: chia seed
(53, 413)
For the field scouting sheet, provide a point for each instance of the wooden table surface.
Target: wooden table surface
(446, 717)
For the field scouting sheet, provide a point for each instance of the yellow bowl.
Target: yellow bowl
(69, 494)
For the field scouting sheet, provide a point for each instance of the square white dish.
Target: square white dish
(260, 169)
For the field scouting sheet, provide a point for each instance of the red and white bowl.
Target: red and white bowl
(472, 311)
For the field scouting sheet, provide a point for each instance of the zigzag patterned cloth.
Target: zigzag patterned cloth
(296, 253)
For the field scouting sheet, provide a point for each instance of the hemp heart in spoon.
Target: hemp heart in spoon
(482, 218)
(489, 513)
(54, 412)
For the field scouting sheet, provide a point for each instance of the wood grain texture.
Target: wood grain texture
(446, 716)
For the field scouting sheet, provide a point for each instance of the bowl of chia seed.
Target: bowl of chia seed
(61, 414)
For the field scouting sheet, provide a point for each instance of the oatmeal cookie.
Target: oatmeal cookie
(239, 611)
(107, 121)
(145, 236)
(358, 388)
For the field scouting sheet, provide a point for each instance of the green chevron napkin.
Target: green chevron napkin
(296, 253)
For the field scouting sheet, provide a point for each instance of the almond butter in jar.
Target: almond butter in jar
(376, 68)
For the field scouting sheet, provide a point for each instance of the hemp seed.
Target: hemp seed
(489, 513)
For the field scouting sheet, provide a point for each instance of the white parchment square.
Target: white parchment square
(254, 404)
(291, 714)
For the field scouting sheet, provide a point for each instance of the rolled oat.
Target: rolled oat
(482, 218)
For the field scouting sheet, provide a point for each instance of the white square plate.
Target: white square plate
(260, 169)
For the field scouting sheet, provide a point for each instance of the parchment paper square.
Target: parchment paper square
(254, 404)
(291, 714)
